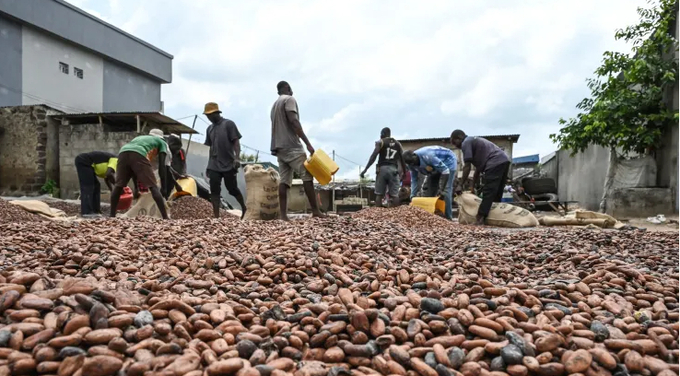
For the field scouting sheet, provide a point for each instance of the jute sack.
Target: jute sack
(501, 214)
(42, 209)
(262, 192)
(145, 205)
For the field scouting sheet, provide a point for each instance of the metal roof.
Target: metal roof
(129, 120)
(526, 159)
(512, 137)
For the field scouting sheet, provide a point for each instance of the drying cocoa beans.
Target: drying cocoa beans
(384, 292)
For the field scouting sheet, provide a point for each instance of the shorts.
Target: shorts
(292, 160)
(131, 164)
(387, 180)
(230, 182)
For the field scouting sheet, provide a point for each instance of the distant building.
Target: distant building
(53, 53)
(524, 166)
(504, 142)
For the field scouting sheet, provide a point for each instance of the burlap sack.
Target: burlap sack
(501, 214)
(42, 209)
(145, 205)
(262, 192)
(583, 218)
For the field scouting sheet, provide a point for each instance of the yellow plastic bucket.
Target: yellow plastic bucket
(429, 204)
(321, 166)
(188, 188)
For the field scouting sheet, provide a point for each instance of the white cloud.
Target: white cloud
(357, 66)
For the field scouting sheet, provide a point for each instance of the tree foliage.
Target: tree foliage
(626, 110)
(249, 157)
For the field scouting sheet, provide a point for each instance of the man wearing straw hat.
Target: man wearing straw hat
(134, 162)
(225, 157)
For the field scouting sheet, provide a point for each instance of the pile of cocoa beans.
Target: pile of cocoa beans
(190, 207)
(379, 293)
(11, 213)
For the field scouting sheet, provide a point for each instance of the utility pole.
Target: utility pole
(191, 134)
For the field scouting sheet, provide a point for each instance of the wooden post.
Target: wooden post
(139, 124)
(190, 134)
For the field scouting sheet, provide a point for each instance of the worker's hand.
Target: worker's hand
(237, 165)
(362, 174)
(310, 149)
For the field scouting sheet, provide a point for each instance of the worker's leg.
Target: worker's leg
(160, 201)
(298, 164)
(380, 187)
(123, 176)
(97, 196)
(392, 184)
(492, 179)
(215, 179)
(86, 178)
(503, 180)
(433, 184)
(286, 179)
(231, 183)
(448, 196)
(142, 170)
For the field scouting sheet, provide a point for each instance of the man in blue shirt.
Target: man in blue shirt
(439, 165)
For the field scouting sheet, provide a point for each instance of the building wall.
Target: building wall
(59, 18)
(23, 149)
(77, 139)
(44, 82)
(581, 177)
(126, 89)
(10, 62)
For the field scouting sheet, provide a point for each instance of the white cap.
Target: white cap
(156, 132)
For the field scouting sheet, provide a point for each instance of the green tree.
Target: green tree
(250, 157)
(626, 111)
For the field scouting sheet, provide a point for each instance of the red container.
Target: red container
(125, 199)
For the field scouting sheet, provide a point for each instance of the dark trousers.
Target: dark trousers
(494, 181)
(230, 182)
(90, 189)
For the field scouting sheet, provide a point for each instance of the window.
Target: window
(78, 72)
(63, 67)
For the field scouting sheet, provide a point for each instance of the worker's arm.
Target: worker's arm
(371, 160)
(237, 154)
(400, 150)
(297, 128)
(414, 183)
(110, 178)
(174, 175)
(466, 174)
(475, 180)
(163, 172)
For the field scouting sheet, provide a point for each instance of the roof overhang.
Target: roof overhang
(510, 137)
(141, 122)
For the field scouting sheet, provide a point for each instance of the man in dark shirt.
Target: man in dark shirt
(89, 167)
(487, 158)
(389, 154)
(225, 152)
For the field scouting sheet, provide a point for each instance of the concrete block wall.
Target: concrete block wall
(23, 145)
(84, 138)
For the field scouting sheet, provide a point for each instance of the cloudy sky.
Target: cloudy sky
(421, 68)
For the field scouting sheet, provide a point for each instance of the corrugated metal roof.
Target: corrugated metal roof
(129, 119)
(513, 137)
(526, 159)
